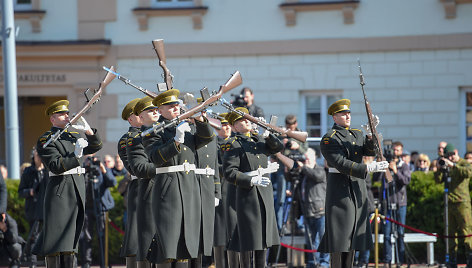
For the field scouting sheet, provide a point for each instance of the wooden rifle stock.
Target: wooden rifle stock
(90, 102)
(298, 135)
(234, 81)
(373, 129)
(158, 45)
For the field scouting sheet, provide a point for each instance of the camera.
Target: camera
(238, 100)
(92, 166)
(442, 163)
(388, 150)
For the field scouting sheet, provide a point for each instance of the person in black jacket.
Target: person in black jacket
(253, 109)
(98, 180)
(32, 187)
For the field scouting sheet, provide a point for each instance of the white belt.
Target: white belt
(333, 170)
(271, 168)
(186, 167)
(77, 170)
(133, 177)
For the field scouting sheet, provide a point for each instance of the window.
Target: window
(22, 5)
(468, 120)
(315, 118)
(172, 3)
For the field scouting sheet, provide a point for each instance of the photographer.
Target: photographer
(396, 200)
(98, 179)
(253, 109)
(295, 150)
(314, 195)
(32, 187)
(459, 216)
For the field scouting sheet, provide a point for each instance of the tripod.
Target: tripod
(447, 179)
(92, 179)
(392, 210)
(289, 216)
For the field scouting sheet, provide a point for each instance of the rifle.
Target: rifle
(298, 135)
(370, 118)
(158, 45)
(234, 81)
(128, 82)
(90, 102)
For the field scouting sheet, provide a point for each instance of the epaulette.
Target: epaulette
(356, 129)
(73, 132)
(330, 134)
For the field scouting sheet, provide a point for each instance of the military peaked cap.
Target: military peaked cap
(128, 110)
(339, 106)
(143, 104)
(233, 117)
(167, 97)
(223, 118)
(57, 107)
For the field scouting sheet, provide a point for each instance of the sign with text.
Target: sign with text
(39, 78)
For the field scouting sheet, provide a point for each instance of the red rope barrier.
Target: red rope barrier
(427, 233)
(298, 249)
(116, 227)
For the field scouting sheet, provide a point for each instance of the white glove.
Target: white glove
(80, 144)
(377, 166)
(260, 181)
(217, 202)
(366, 127)
(82, 124)
(273, 167)
(180, 131)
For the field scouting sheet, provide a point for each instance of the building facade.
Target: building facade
(298, 56)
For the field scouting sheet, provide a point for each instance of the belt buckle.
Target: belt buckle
(208, 171)
(187, 167)
(260, 172)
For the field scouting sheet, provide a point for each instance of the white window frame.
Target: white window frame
(172, 3)
(19, 7)
(323, 108)
(463, 118)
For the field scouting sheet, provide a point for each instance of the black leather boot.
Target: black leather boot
(53, 261)
(131, 262)
(69, 261)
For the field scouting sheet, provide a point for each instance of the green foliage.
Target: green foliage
(16, 210)
(425, 211)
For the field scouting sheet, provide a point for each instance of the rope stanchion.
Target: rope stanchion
(423, 232)
(298, 249)
(116, 227)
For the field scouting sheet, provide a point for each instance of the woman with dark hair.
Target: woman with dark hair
(32, 187)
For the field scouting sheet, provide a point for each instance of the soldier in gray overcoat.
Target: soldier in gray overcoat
(208, 178)
(246, 166)
(347, 227)
(64, 202)
(225, 212)
(145, 170)
(130, 239)
(176, 193)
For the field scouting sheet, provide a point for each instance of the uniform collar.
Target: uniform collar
(342, 130)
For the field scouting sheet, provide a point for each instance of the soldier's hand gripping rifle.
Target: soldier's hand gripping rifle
(372, 125)
(90, 102)
(298, 135)
(128, 82)
(233, 82)
(158, 45)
